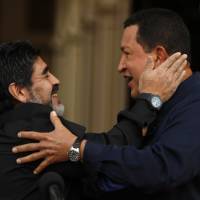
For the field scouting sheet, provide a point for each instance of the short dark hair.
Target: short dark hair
(158, 26)
(16, 66)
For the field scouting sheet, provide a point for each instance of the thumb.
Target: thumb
(55, 120)
(149, 63)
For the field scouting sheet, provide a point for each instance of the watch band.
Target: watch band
(154, 101)
(74, 151)
(77, 142)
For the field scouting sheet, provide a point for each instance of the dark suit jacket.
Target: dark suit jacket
(18, 181)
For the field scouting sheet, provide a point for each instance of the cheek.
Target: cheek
(136, 70)
(43, 89)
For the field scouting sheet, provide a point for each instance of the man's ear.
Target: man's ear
(18, 92)
(160, 55)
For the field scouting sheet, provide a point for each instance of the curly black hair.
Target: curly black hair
(16, 66)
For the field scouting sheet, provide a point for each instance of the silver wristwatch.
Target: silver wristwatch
(154, 100)
(74, 151)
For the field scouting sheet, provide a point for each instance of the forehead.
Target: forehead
(129, 36)
(39, 66)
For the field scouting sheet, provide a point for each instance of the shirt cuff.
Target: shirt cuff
(92, 152)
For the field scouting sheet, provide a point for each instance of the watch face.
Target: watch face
(74, 155)
(156, 102)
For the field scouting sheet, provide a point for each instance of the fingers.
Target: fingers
(167, 63)
(179, 79)
(32, 135)
(176, 71)
(32, 157)
(176, 82)
(55, 120)
(26, 147)
(181, 61)
(43, 165)
(179, 71)
(149, 63)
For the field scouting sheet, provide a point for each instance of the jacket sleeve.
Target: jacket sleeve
(127, 131)
(171, 160)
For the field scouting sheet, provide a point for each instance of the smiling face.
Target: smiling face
(44, 87)
(133, 58)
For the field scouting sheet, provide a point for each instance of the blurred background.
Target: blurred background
(80, 40)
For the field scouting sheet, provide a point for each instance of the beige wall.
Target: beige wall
(86, 44)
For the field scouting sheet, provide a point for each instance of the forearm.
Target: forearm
(170, 161)
(129, 127)
(149, 169)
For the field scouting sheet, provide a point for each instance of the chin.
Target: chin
(134, 93)
(59, 109)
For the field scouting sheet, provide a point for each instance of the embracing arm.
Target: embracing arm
(171, 161)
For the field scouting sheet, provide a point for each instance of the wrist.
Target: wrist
(150, 91)
(154, 101)
(74, 154)
(82, 148)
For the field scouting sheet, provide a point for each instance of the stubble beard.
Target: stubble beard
(59, 108)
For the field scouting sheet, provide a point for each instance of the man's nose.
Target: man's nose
(122, 65)
(54, 80)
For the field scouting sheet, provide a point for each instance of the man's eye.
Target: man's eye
(47, 75)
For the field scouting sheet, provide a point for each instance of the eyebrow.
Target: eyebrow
(45, 70)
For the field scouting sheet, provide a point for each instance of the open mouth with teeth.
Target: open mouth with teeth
(128, 78)
(55, 99)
